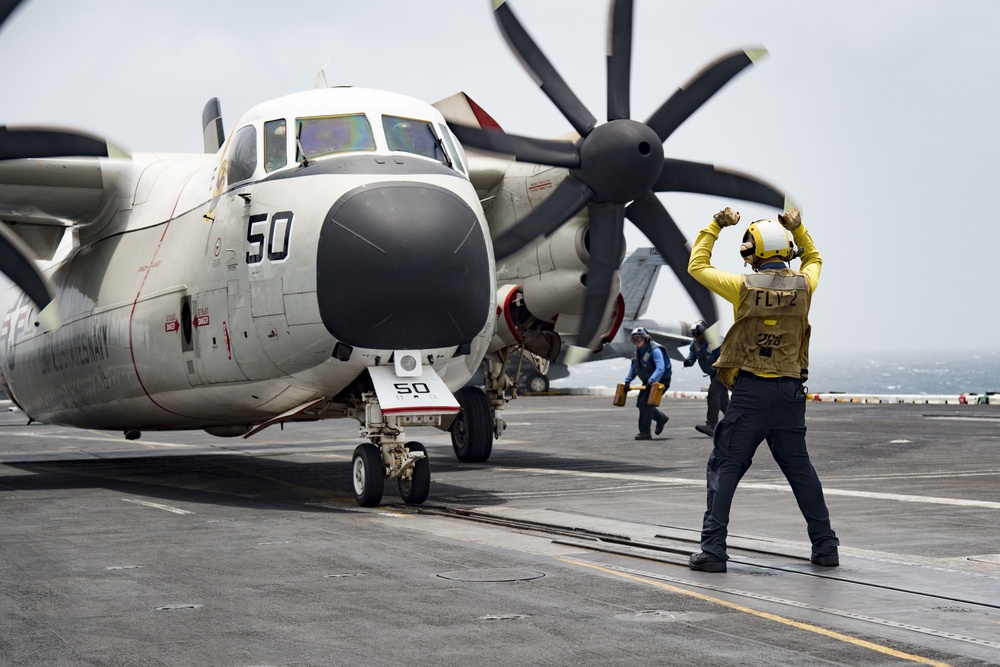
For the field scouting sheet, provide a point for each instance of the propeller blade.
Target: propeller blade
(542, 71)
(652, 219)
(699, 89)
(607, 220)
(28, 142)
(17, 264)
(707, 179)
(523, 149)
(569, 197)
(7, 8)
(619, 59)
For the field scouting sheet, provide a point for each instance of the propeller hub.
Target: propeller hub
(620, 160)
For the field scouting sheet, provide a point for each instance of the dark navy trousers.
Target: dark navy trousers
(771, 409)
(647, 412)
(718, 400)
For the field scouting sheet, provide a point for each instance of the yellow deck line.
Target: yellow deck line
(763, 614)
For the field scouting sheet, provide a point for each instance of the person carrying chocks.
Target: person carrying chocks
(651, 364)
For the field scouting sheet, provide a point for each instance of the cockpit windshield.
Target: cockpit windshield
(318, 136)
(324, 135)
(413, 136)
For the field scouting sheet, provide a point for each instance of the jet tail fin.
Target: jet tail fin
(638, 275)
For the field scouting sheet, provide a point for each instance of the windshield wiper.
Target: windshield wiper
(302, 151)
(440, 145)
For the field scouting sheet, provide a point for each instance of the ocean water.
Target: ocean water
(861, 373)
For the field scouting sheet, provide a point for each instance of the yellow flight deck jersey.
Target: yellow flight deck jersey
(770, 333)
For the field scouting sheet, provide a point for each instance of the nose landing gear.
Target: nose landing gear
(388, 455)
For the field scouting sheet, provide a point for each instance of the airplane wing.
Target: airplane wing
(40, 198)
(50, 180)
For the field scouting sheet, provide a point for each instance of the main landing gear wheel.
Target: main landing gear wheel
(537, 383)
(472, 430)
(368, 474)
(414, 491)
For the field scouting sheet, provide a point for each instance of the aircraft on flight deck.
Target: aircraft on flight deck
(338, 254)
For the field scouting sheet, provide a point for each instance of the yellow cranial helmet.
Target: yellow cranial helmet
(767, 239)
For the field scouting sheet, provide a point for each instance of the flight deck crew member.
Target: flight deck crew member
(651, 364)
(718, 395)
(764, 360)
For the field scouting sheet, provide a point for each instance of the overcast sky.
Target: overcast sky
(877, 116)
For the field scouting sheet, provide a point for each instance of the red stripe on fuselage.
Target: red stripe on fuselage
(432, 409)
(150, 267)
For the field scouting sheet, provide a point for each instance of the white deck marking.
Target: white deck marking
(905, 498)
(165, 508)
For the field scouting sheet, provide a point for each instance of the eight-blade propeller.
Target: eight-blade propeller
(616, 168)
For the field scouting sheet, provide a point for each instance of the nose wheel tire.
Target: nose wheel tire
(414, 491)
(368, 475)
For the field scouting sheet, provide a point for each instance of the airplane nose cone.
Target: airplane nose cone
(403, 266)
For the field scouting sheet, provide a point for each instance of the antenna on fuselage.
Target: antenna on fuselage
(319, 80)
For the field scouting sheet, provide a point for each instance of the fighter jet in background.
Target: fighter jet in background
(638, 278)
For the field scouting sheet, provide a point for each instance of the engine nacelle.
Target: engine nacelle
(517, 326)
(507, 332)
(551, 273)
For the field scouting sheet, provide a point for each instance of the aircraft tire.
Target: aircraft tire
(537, 383)
(472, 430)
(414, 491)
(367, 474)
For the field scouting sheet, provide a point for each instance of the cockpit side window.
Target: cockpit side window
(324, 135)
(243, 154)
(275, 146)
(451, 149)
(413, 136)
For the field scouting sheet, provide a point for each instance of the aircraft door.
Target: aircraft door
(212, 337)
(243, 334)
(161, 342)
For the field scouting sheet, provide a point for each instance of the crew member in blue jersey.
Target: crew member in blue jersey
(718, 395)
(651, 364)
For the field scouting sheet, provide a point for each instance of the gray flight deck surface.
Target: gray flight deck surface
(567, 548)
